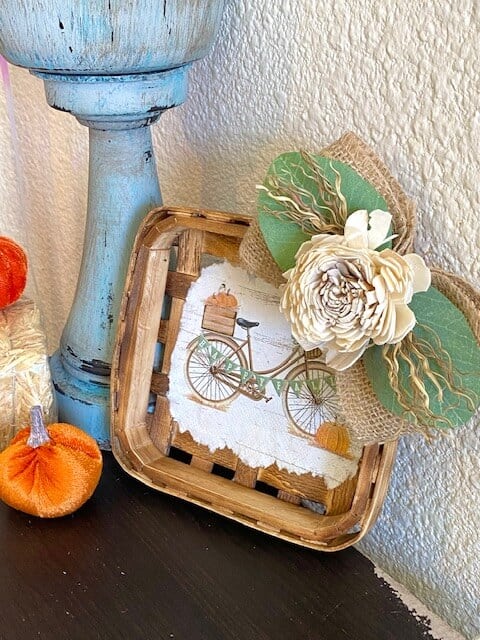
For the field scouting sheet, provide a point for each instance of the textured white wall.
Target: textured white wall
(284, 75)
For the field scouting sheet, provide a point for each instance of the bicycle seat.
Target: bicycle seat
(246, 324)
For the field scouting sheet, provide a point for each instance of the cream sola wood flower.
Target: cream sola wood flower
(342, 294)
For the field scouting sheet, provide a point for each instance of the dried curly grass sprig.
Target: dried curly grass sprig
(417, 353)
(297, 203)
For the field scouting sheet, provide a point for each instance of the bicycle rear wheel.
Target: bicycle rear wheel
(310, 397)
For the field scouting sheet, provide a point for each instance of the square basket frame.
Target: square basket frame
(149, 445)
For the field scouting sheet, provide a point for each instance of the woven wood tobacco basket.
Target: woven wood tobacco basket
(149, 445)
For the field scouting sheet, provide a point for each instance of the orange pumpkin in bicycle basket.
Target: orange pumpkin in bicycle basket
(220, 312)
(222, 298)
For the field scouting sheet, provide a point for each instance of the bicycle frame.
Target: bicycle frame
(297, 354)
(304, 406)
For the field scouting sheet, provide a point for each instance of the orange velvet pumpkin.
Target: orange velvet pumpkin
(13, 271)
(49, 473)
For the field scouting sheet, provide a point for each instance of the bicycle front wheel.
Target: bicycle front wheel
(215, 380)
(310, 397)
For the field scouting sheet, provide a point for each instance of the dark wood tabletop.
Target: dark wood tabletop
(139, 565)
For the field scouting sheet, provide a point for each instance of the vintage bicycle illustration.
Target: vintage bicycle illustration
(219, 367)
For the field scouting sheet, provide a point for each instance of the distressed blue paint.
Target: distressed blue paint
(81, 403)
(116, 66)
(125, 98)
(107, 36)
(123, 187)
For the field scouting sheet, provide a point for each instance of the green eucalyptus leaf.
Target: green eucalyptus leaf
(284, 237)
(435, 315)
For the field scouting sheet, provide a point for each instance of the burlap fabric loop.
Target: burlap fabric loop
(351, 150)
(368, 421)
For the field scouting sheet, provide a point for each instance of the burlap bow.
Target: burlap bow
(366, 418)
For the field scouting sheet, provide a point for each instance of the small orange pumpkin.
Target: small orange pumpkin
(13, 271)
(333, 437)
(223, 298)
(49, 473)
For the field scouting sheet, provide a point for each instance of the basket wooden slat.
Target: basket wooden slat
(218, 319)
(150, 446)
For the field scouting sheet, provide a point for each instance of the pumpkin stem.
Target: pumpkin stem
(38, 432)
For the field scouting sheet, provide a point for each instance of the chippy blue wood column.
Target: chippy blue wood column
(116, 67)
(123, 187)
